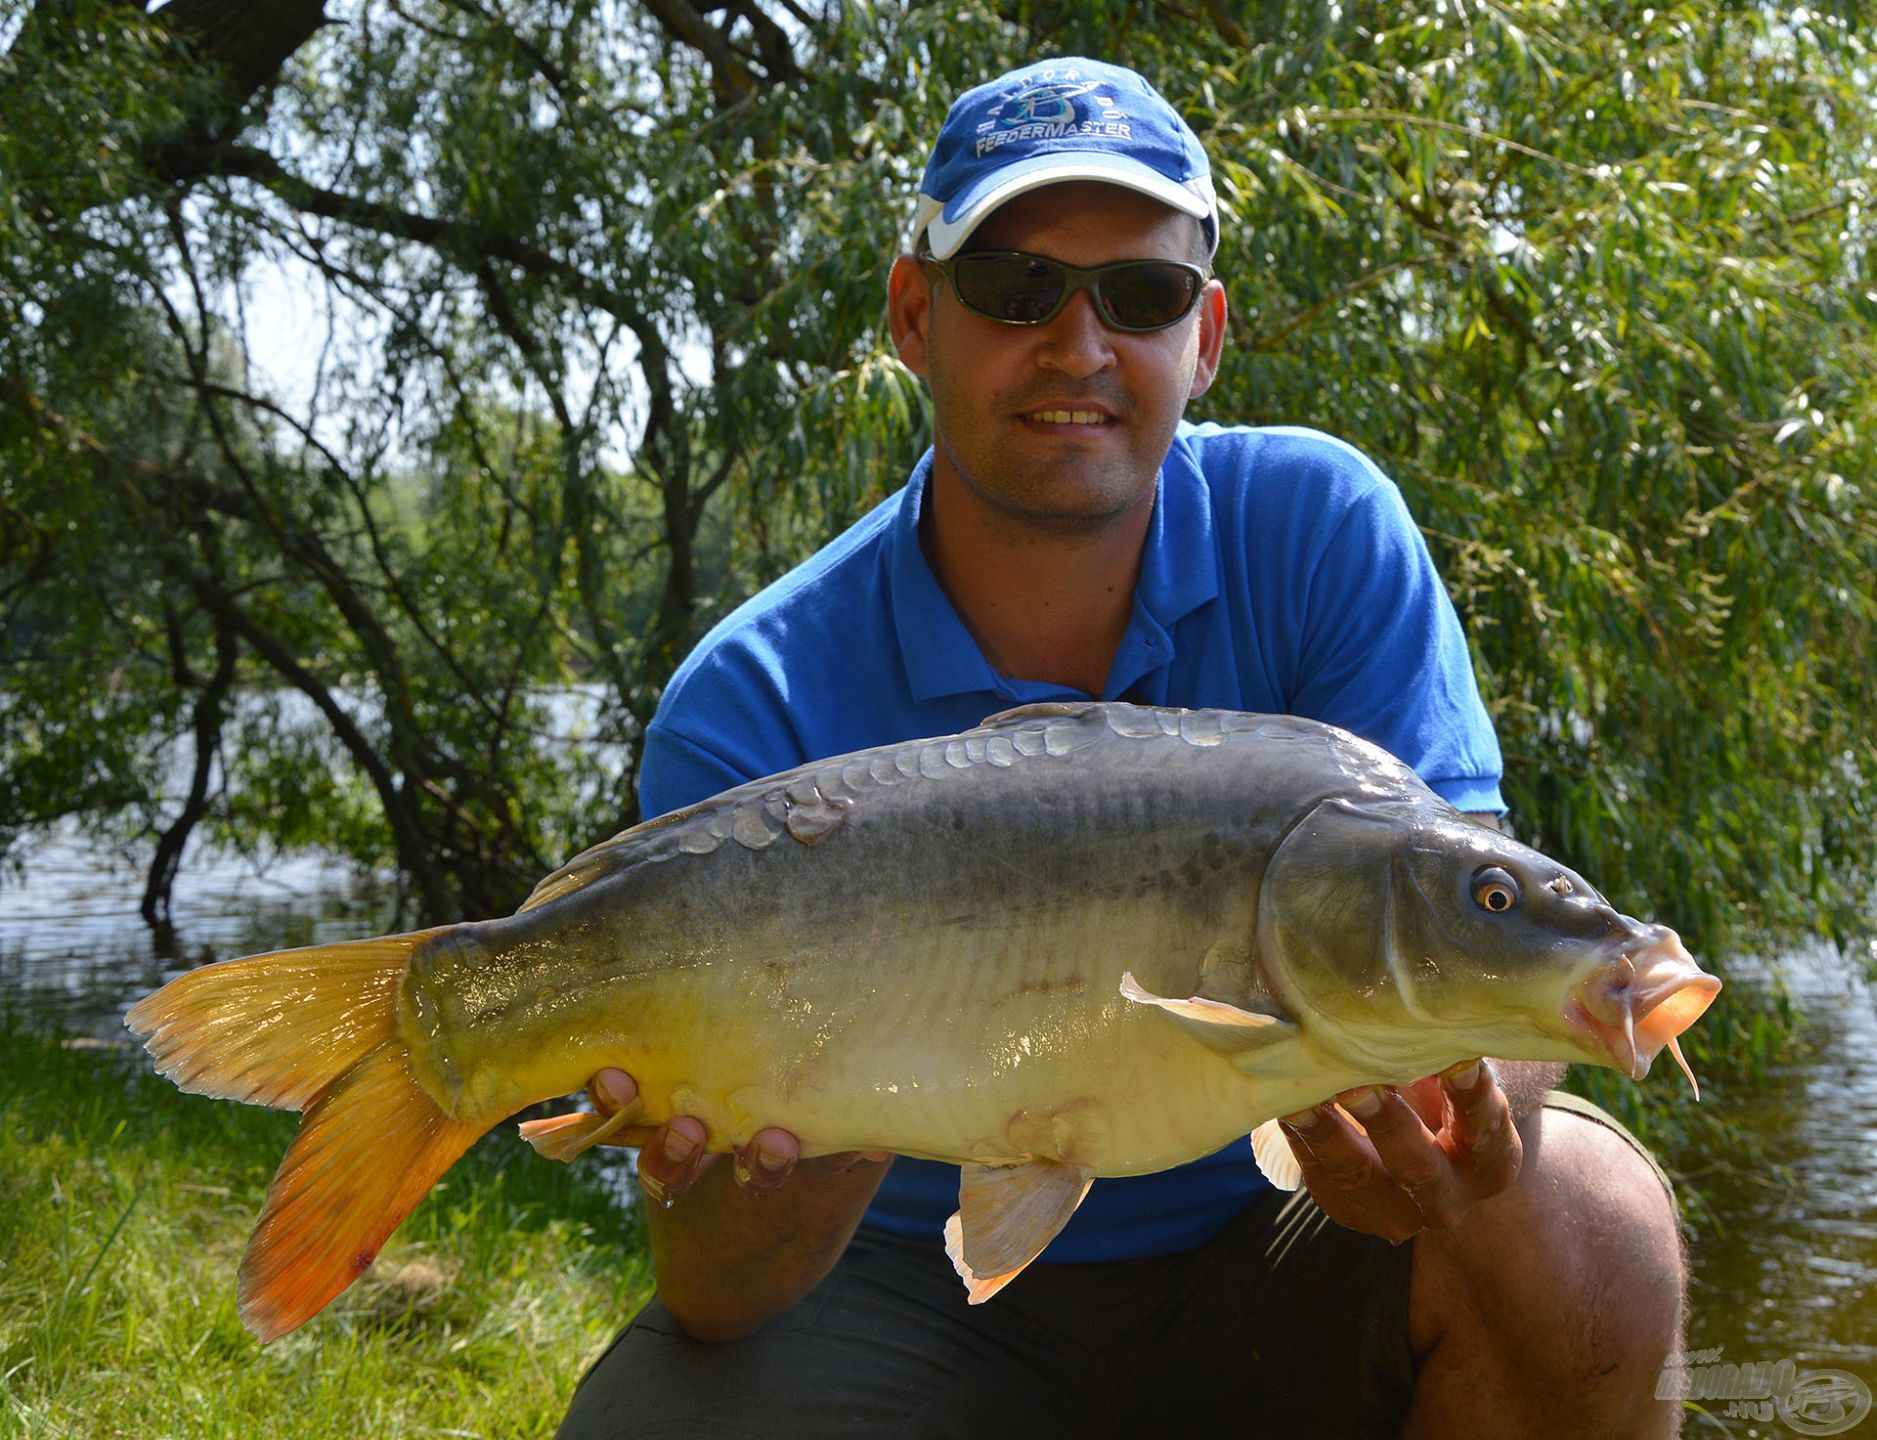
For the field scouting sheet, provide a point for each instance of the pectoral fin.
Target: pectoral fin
(1232, 1032)
(1270, 1147)
(1006, 1215)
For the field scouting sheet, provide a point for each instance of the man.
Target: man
(1069, 536)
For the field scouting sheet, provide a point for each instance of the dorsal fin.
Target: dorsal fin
(582, 870)
(1041, 710)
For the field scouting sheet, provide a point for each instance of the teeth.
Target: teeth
(1070, 417)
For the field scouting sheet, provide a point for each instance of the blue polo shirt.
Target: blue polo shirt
(1281, 573)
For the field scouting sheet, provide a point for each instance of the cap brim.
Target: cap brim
(948, 228)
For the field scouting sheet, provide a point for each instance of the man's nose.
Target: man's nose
(1076, 342)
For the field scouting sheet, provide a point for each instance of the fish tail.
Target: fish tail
(314, 1029)
(276, 1029)
(368, 1150)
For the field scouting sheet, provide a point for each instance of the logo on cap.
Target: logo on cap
(1045, 109)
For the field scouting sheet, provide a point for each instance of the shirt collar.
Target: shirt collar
(940, 655)
(1179, 573)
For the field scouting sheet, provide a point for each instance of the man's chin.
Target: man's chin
(1064, 495)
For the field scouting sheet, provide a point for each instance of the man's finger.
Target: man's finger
(1410, 1154)
(1345, 1177)
(1482, 1139)
(612, 1090)
(767, 1160)
(1480, 1108)
(1428, 1100)
(672, 1163)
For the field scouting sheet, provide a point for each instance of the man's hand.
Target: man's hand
(673, 1157)
(1416, 1159)
(730, 1255)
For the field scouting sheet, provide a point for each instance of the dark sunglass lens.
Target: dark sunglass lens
(1148, 295)
(1009, 287)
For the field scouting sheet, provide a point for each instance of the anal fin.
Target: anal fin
(562, 1137)
(1006, 1215)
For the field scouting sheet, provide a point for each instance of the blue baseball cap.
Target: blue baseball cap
(1051, 121)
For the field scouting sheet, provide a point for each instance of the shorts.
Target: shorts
(1285, 1323)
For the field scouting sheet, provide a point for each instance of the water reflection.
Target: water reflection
(1789, 1270)
(73, 946)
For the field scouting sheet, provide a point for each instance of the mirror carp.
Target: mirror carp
(1079, 940)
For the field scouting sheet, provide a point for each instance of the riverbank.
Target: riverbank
(124, 1209)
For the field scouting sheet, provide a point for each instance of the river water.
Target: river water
(1784, 1263)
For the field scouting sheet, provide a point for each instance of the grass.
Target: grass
(125, 1206)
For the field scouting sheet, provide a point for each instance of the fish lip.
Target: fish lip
(1610, 1011)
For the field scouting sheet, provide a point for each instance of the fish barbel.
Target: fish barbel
(1079, 940)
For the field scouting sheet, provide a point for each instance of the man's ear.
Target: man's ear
(1211, 337)
(909, 311)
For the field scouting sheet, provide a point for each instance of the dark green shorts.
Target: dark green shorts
(1284, 1324)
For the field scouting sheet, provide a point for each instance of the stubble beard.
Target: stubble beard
(1066, 499)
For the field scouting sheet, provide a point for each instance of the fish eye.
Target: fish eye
(1495, 890)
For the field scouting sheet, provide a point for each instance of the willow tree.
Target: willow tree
(581, 271)
(602, 350)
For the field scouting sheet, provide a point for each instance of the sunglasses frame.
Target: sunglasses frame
(1079, 278)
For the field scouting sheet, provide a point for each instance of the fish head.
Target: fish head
(1407, 933)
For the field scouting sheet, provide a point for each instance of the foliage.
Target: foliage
(128, 1205)
(1594, 283)
(598, 350)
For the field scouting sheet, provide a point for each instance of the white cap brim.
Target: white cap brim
(946, 228)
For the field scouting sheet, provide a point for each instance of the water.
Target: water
(1785, 1269)
(73, 945)
(1784, 1266)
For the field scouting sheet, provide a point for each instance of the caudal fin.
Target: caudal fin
(315, 1030)
(368, 1150)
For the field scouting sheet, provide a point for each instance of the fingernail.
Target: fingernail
(1363, 1103)
(612, 1085)
(1302, 1120)
(1463, 1076)
(679, 1147)
(771, 1163)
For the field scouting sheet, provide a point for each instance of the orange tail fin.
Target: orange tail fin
(368, 1150)
(315, 1030)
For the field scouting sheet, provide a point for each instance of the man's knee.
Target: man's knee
(1567, 1289)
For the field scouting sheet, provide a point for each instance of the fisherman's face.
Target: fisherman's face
(995, 386)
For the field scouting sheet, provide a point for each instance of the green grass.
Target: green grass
(124, 1209)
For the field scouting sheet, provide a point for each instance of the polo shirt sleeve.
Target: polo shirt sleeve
(676, 771)
(1383, 655)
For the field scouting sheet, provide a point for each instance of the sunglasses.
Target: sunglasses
(1014, 288)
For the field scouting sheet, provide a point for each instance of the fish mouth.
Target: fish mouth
(1636, 1006)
